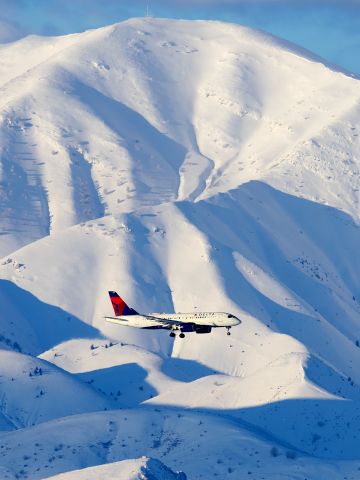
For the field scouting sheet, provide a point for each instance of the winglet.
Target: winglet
(119, 306)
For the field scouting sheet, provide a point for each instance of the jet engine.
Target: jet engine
(204, 329)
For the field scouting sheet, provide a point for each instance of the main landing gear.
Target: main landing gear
(173, 334)
(228, 330)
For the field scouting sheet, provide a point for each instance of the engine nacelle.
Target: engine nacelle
(204, 329)
(187, 327)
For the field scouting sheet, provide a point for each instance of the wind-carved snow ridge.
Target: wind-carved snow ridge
(191, 166)
(139, 469)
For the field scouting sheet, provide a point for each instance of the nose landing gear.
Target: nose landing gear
(228, 330)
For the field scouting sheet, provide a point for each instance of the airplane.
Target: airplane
(199, 322)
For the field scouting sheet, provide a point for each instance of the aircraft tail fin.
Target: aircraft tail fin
(119, 306)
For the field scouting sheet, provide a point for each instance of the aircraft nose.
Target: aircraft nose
(233, 320)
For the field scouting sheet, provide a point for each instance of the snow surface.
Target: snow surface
(143, 469)
(189, 166)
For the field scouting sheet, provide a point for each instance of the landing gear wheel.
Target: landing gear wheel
(182, 335)
(172, 334)
(228, 330)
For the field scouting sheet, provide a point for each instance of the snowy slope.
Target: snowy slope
(140, 113)
(126, 374)
(34, 391)
(190, 166)
(202, 446)
(144, 468)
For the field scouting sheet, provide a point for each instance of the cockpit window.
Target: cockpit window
(230, 316)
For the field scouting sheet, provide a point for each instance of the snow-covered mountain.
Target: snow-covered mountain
(143, 468)
(188, 165)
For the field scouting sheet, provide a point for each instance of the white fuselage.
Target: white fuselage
(211, 319)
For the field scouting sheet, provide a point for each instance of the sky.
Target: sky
(329, 28)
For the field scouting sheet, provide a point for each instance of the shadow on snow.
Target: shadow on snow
(34, 325)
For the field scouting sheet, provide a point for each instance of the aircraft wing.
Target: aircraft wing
(165, 321)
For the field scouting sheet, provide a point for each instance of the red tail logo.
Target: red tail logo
(119, 306)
